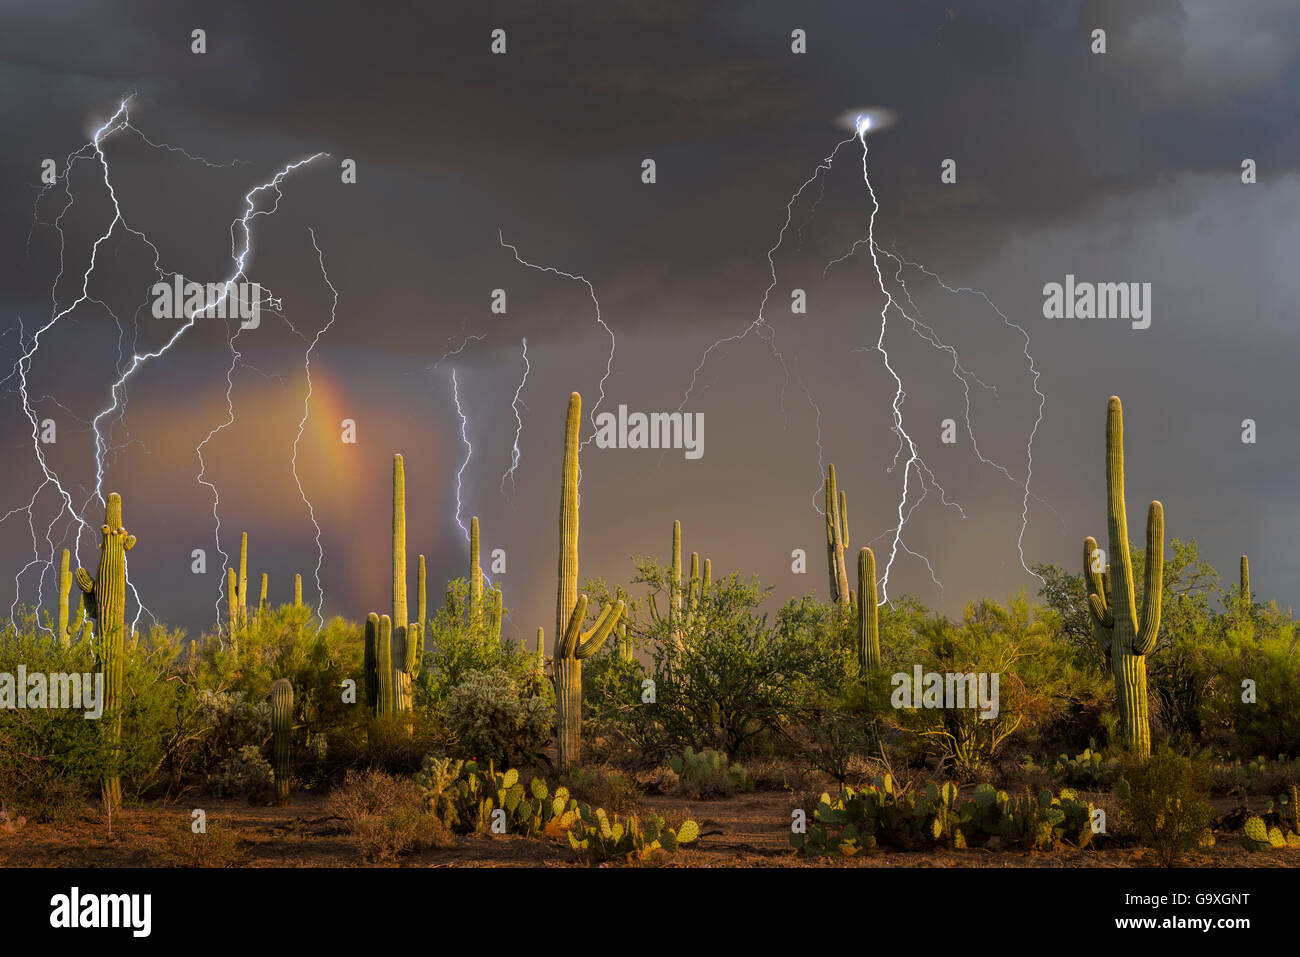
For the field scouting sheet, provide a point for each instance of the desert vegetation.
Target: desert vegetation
(1135, 709)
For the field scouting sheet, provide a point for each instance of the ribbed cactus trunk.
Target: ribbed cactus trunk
(421, 607)
(1245, 581)
(232, 606)
(401, 678)
(282, 736)
(384, 667)
(372, 663)
(837, 539)
(572, 644)
(243, 580)
(1111, 597)
(106, 604)
(475, 577)
(297, 591)
(261, 598)
(675, 588)
(868, 615)
(65, 589)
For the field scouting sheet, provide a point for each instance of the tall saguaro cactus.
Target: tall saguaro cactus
(282, 736)
(868, 614)
(1116, 621)
(297, 591)
(572, 643)
(243, 580)
(105, 602)
(475, 576)
(1245, 580)
(837, 539)
(65, 589)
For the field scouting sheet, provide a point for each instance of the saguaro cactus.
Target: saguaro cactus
(297, 591)
(475, 576)
(1116, 622)
(572, 643)
(404, 644)
(868, 614)
(282, 736)
(65, 589)
(676, 631)
(837, 539)
(1245, 580)
(243, 580)
(421, 608)
(232, 603)
(384, 667)
(261, 599)
(372, 663)
(105, 602)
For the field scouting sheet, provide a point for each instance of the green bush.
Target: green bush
(1165, 802)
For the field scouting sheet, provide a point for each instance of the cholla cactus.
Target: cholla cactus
(104, 599)
(1116, 622)
(282, 736)
(572, 643)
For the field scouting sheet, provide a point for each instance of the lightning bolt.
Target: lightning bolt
(302, 424)
(469, 451)
(116, 410)
(519, 422)
(609, 363)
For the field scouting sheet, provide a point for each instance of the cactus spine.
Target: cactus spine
(837, 539)
(572, 643)
(105, 602)
(1116, 622)
(868, 615)
(282, 736)
(65, 589)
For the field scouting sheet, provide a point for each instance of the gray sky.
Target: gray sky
(1122, 167)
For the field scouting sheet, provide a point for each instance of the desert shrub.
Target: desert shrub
(219, 845)
(490, 720)
(1038, 679)
(616, 725)
(1165, 802)
(289, 642)
(656, 780)
(454, 647)
(733, 674)
(1268, 725)
(602, 787)
(385, 816)
(51, 760)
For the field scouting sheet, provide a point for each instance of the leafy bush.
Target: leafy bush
(454, 647)
(490, 719)
(1165, 800)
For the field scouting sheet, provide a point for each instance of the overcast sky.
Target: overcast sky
(1117, 167)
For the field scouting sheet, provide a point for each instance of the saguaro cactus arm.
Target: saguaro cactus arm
(582, 644)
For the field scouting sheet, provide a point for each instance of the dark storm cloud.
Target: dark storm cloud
(1121, 166)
